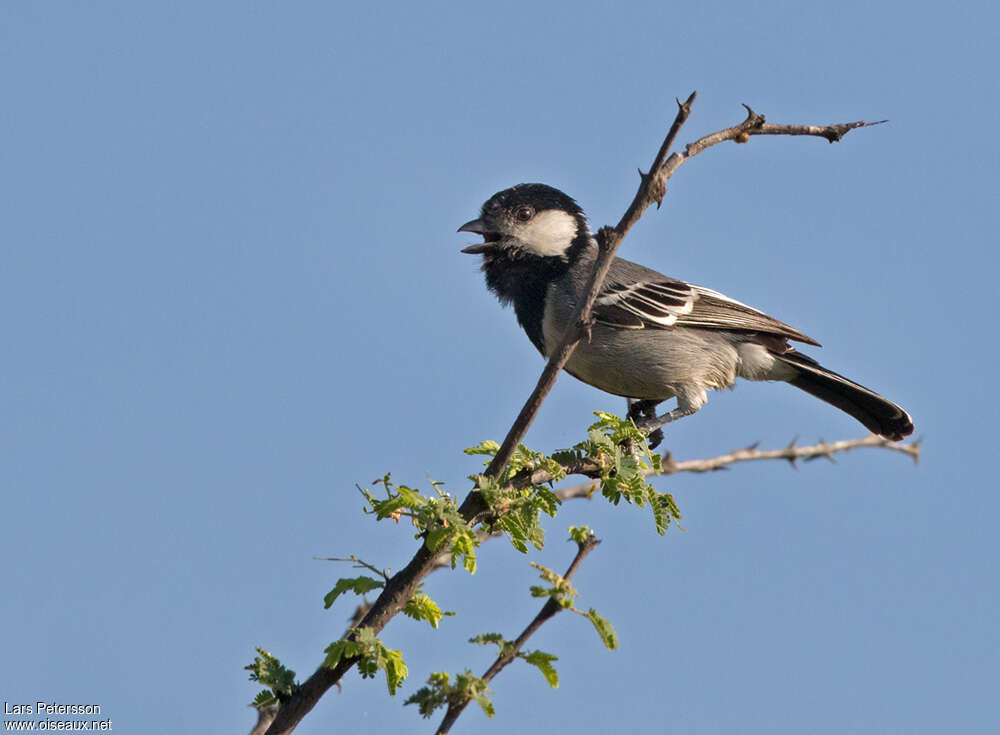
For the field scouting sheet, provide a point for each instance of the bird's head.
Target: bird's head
(527, 219)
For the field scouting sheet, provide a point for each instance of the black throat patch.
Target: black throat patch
(522, 279)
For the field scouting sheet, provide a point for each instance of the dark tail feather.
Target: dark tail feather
(881, 416)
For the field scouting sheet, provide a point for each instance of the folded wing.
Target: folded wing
(665, 303)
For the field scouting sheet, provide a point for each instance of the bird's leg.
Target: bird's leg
(688, 402)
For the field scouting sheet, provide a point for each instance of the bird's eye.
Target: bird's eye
(524, 213)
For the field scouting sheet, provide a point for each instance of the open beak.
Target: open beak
(479, 227)
(476, 225)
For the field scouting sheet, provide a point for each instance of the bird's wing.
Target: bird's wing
(663, 303)
(644, 304)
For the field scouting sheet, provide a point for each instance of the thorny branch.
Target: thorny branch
(403, 585)
(507, 655)
(791, 454)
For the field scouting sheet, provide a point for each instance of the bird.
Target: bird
(652, 337)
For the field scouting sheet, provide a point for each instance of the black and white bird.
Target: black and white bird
(653, 337)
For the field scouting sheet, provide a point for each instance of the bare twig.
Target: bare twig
(791, 454)
(358, 564)
(508, 654)
(832, 133)
(403, 585)
(755, 124)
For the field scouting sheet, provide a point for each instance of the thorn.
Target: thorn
(793, 461)
(753, 446)
(791, 444)
(753, 121)
(641, 174)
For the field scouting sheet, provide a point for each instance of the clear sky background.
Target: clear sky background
(230, 289)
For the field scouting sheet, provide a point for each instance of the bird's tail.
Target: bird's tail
(881, 416)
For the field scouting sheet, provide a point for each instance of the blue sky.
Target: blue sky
(231, 289)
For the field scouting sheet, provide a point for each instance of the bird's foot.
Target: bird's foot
(654, 438)
(643, 413)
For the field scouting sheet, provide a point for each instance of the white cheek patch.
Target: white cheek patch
(549, 233)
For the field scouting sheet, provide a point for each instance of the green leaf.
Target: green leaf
(625, 458)
(411, 498)
(372, 657)
(268, 670)
(664, 509)
(437, 537)
(386, 508)
(395, 668)
(580, 534)
(344, 648)
(440, 692)
(561, 590)
(422, 607)
(464, 546)
(567, 456)
(472, 687)
(488, 447)
(604, 629)
(485, 639)
(264, 699)
(432, 696)
(357, 585)
(548, 501)
(544, 663)
(485, 704)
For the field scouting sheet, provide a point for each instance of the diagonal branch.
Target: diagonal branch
(508, 654)
(755, 124)
(608, 241)
(403, 585)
